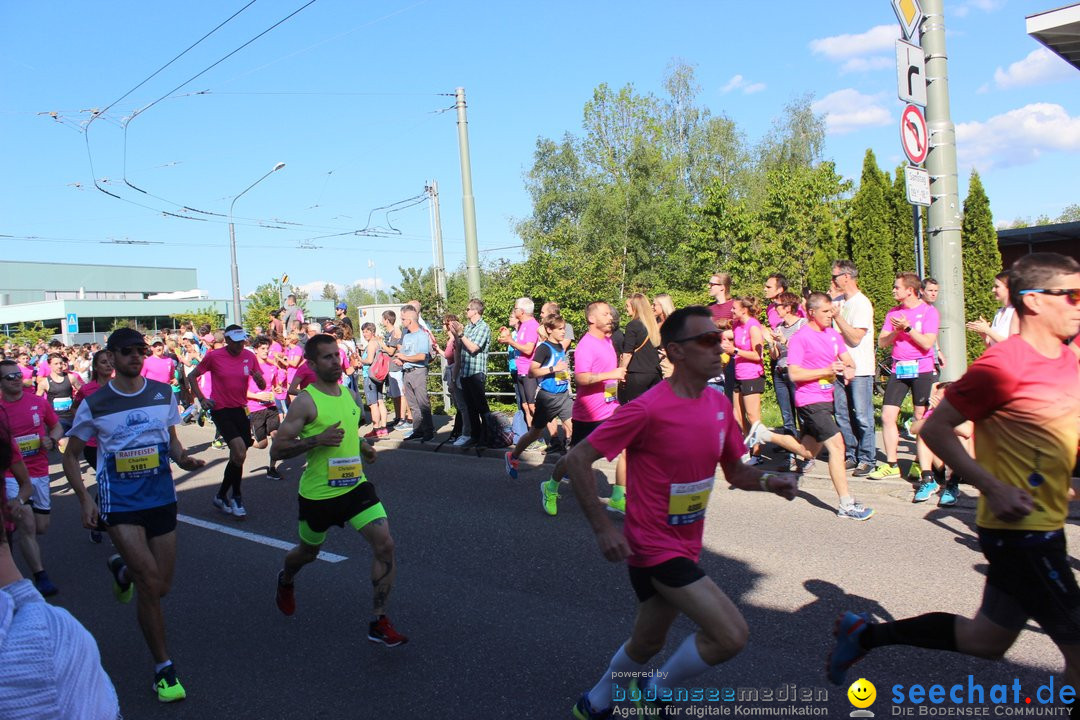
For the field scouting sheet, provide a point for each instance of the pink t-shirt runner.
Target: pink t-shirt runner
(305, 375)
(158, 368)
(813, 350)
(27, 371)
(528, 332)
(86, 390)
(29, 419)
(290, 354)
(230, 375)
(673, 446)
(923, 318)
(595, 355)
(747, 369)
(270, 374)
(773, 315)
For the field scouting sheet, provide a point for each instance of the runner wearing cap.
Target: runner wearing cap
(230, 369)
(134, 419)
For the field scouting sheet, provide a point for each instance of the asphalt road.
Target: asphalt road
(511, 613)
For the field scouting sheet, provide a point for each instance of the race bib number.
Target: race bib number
(826, 383)
(344, 472)
(28, 444)
(61, 404)
(907, 369)
(611, 388)
(137, 460)
(687, 501)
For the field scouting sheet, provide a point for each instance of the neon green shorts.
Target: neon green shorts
(358, 507)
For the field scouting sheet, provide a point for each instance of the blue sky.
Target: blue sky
(348, 94)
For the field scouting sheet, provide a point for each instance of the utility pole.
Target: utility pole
(946, 256)
(468, 205)
(439, 266)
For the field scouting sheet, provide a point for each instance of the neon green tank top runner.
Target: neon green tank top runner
(332, 471)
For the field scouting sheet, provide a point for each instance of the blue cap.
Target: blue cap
(342, 306)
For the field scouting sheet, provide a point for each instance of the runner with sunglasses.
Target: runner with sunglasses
(1023, 395)
(674, 435)
(134, 419)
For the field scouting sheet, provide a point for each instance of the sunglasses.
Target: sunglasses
(838, 275)
(11, 376)
(1073, 294)
(706, 339)
(133, 349)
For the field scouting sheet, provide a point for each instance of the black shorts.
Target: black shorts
(582, 429)
(157, 521)
(551, 406)
(818, 421)
(232, 423)
(263, 422)
(1030, 577)
(755, 386)
(529, 386)
(677, 572)
(896, 389)
(320, 515)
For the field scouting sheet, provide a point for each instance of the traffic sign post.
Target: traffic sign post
(913, 135)
(72, 323)
(910, 73)
(910, 15)
(917, 184)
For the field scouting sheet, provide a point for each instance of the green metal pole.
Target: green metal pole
(468, 205)
(943, 236)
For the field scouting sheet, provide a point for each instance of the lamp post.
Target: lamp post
(232, 246)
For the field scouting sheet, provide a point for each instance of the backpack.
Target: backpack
(380, 368)
(498, 432)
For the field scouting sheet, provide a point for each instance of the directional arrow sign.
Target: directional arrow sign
(913, 135)
(911, 73)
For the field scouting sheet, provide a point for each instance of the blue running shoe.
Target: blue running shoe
(949, 495)
(583, 710)
(511, 464)
(925, 491)
(855, 511)
(847, 651)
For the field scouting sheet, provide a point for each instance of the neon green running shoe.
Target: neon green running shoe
(167, 687)
(550, 498)
(883, 471)
(123, 594)
(914, 472)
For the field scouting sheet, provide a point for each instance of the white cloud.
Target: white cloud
(738, 82)
(1017, 137)
(879, 38)
(859, 64)
(849, 110)
(1040, 66)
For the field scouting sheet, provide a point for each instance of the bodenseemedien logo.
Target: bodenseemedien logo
(862, 695)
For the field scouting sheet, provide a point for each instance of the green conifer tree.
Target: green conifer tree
(870, 237)
(982, 260)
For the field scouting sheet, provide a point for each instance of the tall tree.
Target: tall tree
(870, 237)
(329, 292)
(902, 222)
(982, 260)
(267, 297)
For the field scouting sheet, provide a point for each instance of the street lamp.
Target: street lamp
(232, 246)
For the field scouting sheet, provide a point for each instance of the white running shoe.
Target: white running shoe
(237, 507)
(461, 441)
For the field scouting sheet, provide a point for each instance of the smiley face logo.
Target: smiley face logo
(862, 693)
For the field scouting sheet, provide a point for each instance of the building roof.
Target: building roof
(1058, 30)
(1040, 234)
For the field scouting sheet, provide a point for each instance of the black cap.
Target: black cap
(124, 337)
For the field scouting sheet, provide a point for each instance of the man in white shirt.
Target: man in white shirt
(854, 400)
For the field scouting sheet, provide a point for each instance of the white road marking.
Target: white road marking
(255, 537)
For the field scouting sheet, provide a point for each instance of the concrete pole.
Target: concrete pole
(472, 252)
(237, 316)
(943, 234)
(439, 270)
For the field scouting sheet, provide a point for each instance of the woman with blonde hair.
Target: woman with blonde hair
(662, 307)
(639, 353)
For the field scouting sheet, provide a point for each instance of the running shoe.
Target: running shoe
(914, 472)
(223, 505)
(272, 473)
(756, 434)
(44, 585)
(285, 598)
(850, 464)
(237, 507)
(617, 506)
(122, 593)
(855, 511)
(374, 434)
(382, 631)
(883, 471)
(583, 710)
(804, 465)
(649, 708)
(511, 464)
(381, 432)
(461, 441)
(218, 444)
(862, 470)
(167, 687)
(949, 495)
(847, 651)
(926, 490)
(550, 498)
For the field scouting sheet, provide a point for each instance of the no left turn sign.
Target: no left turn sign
(913, 135)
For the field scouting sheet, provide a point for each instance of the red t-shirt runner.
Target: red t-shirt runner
(673, 446)
(29, 420)
(230, 374)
